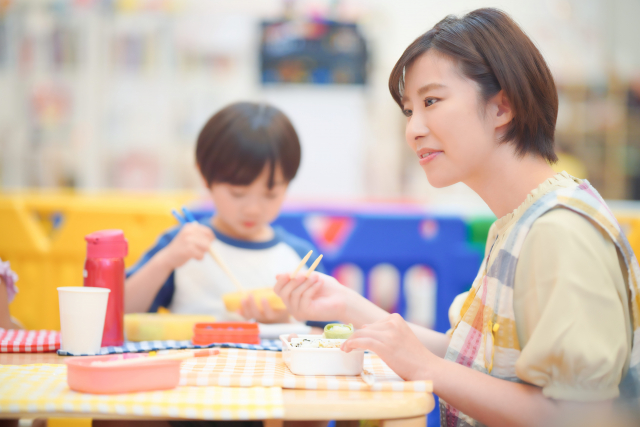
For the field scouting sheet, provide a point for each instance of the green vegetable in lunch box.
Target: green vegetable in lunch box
(338, 331)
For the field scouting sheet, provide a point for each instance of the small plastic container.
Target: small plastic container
(226, 332)
(157, 375)
(154, 326)
(321, 361)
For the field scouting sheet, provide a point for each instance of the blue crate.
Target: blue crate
(401, 240)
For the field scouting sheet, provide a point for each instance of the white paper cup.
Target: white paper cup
(82, 314)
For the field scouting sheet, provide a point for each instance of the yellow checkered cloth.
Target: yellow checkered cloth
(43, 388)
(247, 368)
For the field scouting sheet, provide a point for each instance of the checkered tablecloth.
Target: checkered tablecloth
(21, 341)
(43, 388)
(241, 368)
(144, 346)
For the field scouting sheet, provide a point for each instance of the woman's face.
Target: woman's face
(446, 126)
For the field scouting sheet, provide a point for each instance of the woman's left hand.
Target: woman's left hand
(265, 314)
(396, 344)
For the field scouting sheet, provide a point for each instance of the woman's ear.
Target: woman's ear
(500, 108)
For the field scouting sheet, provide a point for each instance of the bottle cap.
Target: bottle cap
(106, 244)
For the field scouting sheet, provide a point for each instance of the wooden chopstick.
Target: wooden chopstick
(313, 266)
(225, 268)
(302, 263)
(144, 360)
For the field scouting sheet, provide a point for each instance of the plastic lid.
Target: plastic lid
(226, 332)
(106, 244)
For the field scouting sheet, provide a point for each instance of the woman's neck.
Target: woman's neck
(505, 183)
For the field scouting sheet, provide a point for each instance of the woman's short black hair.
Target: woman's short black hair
(237, 143)
(492, 50)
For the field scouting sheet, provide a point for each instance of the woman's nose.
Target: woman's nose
(416, 129)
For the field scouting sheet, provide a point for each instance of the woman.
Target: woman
(550, 317)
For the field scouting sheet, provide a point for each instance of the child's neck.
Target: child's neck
(505, 183)
(263, 234)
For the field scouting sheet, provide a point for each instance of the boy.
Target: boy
(247, 154)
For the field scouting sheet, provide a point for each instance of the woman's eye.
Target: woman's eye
(237, 194)
(429, 101)
(407, 113)
(271, 196)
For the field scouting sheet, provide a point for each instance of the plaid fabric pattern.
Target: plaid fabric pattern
(486, 339)
(144, 346)
(241, 368)
(43, 388)
(21, 341)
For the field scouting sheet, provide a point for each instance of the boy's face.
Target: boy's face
(244, 211)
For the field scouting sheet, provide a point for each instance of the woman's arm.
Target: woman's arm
(490, 400)
(322, 297)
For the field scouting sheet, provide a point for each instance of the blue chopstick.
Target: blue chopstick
(178, 217)
(188, 215)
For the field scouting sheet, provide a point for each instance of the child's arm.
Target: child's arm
(192, 241)
(322, 297)
(5, 317)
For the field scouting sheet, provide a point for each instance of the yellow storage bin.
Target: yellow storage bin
(42, 235)
(153, 326)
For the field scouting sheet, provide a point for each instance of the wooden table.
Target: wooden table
(395, 409)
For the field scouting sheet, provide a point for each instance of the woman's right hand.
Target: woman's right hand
(192, 241)
(320, 297)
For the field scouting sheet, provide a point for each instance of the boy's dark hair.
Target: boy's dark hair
(491, 49)
(239, 140)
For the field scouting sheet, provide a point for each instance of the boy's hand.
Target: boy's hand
(320, 297)
(250, 310)
(192, 241)
(396, 344)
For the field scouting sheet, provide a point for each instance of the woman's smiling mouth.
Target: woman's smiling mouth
(426, 155)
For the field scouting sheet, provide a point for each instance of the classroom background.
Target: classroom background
(101, 102)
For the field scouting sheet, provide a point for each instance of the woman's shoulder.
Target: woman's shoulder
(563, 224)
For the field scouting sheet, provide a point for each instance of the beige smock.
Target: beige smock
(570, 302)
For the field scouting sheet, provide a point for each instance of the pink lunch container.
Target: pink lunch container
(157, 375)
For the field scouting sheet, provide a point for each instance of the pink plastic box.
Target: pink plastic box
(157, 375)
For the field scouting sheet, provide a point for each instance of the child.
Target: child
(8, 291)
(247, 154)
(549, 322)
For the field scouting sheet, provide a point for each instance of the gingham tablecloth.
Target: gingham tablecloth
(21, 341)
(43, 388)
(242, 368)
(144, 346)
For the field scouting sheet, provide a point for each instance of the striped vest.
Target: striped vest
(486, 340)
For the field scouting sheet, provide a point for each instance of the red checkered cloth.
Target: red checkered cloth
(21, 341)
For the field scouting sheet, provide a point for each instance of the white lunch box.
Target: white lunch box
(321, 361)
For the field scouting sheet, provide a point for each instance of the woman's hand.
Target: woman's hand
(265, 314)
(320, 297)
(192, 241)
(393, 340)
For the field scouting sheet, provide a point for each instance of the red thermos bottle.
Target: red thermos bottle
(104, 268)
